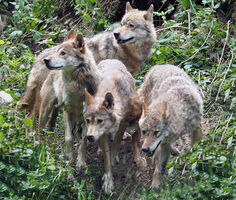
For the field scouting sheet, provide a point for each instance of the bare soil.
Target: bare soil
(128, 177)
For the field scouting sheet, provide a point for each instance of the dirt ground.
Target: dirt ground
(128, 177)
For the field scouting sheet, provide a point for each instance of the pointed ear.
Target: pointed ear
(128, 7)
(79, 43)
(71, 35)
(88, 97)
(149, 13)
(145, 109)
(108, 103)
(163, 110)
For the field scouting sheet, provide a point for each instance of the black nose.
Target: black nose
(46, 61)
(116, 34)
(90, 138)
(146, 149)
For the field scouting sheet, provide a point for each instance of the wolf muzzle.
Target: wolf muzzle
(90, 138)
(48, 64)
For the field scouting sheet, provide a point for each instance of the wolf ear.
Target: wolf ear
(79, 42)
(71, 35)
(88, 97)
(145, 109)
(108, 103)
(149, 13)
(128, 7)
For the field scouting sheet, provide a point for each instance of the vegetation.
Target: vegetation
(196, 39)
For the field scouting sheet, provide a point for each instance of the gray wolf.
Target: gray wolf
(172, 106)
(110, 111)
(72, 68)
(131, 43)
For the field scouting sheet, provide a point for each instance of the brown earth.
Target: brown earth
(128, 177)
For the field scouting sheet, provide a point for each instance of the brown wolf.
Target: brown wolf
(172, 106)
(72, 68)
(113, 108)
(131, 44)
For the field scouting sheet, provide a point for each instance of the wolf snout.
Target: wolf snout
(90, 138)
(117, 35)
(47, 61)
(146, 149)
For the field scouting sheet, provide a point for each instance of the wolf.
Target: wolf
(172, 107)
(72, 68)
(110, 111)
(131, 43)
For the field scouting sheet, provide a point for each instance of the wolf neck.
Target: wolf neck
(139, 51)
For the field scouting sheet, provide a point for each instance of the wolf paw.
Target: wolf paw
(99, 151)
(141, 162)
(127, 137)
(108, 184)
(80, 163)
(69, 155)
(155, 184)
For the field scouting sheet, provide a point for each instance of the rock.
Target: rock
(5, 98)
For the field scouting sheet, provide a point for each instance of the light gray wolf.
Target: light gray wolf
(131, 43)
(72, 68)
(110, 111)
(172, 107)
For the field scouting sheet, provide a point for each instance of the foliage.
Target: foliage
(195, 40)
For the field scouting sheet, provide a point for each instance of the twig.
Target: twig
(224, 77)
(221, 57)
(189, 22)
(214, 132)
(175, 26)
(184, 169)
(222, 136)
(208, 35)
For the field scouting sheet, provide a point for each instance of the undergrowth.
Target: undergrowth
(196, 40)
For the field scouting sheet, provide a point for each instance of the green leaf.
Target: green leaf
(186, 3)
(1, 120)
(16, 34)
(36, 36)
(2, 166)
(1, 136)
(28, 122)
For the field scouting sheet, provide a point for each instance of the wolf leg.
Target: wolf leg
(69, 141)
(82, 149)
(162, 155)
(116, 143)
(140, 161)
(197, 134)
(53, 119)
(108, 184)
(45, 109)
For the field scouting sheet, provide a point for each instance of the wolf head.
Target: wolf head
(135, 25)
(69, 55)
(152, 125)
(99, 116)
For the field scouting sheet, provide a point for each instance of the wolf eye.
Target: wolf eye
(88, 121)
(143, 132)
(62, 53)
(130, 25)
(99, 121)
(156, 132)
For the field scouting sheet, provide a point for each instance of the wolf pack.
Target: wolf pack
(91, 81)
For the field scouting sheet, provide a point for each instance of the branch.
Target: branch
(199, 47)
